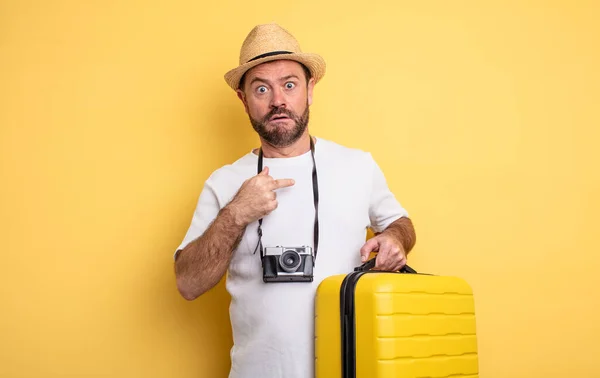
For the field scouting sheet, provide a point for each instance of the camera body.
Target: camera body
(288, 264)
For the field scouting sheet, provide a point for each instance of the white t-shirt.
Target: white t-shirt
(273, 323)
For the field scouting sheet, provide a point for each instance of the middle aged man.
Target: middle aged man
(285, 216)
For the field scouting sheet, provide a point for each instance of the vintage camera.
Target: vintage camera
(288, 264)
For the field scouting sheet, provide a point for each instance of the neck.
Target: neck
(299, 147)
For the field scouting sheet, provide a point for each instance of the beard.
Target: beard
(280, 136)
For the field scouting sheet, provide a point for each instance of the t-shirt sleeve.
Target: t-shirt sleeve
(207, 209)
(384, 208)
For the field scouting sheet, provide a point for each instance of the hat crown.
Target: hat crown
(267, 38)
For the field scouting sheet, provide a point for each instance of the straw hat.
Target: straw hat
(270, 42)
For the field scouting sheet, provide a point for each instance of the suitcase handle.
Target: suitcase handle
(371, 264)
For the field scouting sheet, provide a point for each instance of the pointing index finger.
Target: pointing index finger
(282, 183)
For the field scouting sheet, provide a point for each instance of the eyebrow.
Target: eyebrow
(267, 81)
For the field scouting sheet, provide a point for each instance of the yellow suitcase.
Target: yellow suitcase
(373, 324)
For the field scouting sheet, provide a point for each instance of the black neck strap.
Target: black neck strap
(315, 197)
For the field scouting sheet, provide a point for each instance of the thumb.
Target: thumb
(265, 171)
(368, 247)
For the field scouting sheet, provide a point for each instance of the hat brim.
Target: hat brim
(315, 63)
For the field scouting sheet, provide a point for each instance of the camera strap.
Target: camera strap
(315, 198)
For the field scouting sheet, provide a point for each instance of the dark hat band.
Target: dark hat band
(269, 54)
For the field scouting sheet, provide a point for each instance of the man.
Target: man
(295, 190)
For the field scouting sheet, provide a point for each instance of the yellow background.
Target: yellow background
(484, 117)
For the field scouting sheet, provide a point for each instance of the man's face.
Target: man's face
(277, 99)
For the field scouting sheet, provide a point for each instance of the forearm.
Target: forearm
(204, 261)
(402, 229)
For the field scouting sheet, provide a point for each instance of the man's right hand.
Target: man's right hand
(256, 197)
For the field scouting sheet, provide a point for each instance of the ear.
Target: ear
(311, 86)
(242, 96)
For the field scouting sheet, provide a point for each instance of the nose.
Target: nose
(278, 99)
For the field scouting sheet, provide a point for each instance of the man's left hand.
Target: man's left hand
(391, 256)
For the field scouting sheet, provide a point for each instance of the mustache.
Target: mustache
(278, 111)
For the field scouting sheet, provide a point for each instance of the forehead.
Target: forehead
(275, 70)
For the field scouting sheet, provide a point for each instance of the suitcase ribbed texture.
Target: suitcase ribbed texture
(418, 325)
(406, 325)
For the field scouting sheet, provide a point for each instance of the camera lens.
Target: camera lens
(289, 260)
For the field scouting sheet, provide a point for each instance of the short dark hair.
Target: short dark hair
(307, 74)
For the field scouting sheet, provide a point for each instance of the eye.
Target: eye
(289, 85)
(261, 89)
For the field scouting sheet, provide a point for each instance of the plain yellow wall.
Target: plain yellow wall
(484, 117)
